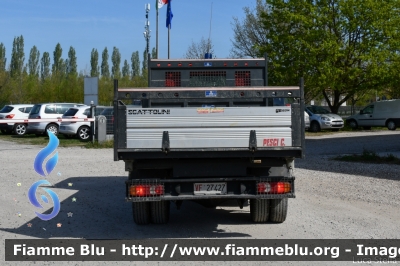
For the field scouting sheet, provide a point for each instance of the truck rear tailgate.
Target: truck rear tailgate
(204, 127)
(189, 123)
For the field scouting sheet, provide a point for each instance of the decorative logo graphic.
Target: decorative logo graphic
(35, 202)
(50, 165)
(41, 156)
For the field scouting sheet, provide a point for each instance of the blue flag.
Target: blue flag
(169, 14)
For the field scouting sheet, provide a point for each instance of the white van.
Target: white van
(48, 110)
(377, 114)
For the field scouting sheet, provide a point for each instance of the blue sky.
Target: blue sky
(98, 24)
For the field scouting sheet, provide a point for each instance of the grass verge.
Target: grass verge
(103, 145)
(64, 142)
(41, 140)
(369, 157)
(346, 128)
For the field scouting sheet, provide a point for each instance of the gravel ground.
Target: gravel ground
(334, 200)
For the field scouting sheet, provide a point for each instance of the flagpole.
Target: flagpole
(169, 18)
(169, 27)
(157, 33)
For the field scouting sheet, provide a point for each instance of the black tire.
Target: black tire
(353, 124)
(53, 128)
(314, 127)
(20, 129)
(159, 212)
(83, 133)
(141, 212)
(278, 210)
(259, 210)
(391, 125)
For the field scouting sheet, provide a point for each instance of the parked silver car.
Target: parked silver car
(14, 111)
(50, 111)
(320, 118)
(306, 121)
(79, 129)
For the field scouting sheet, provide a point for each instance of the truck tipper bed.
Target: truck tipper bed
(209, 131)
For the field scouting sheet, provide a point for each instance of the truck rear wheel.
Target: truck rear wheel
(259, 210)
(278, 210)
(141, 212)
(159, 212)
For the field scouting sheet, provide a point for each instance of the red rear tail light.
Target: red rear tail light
(146, 190)
(140, 191)
(74, 117)
(263, 187)
(274, 187)
(280, 187)
(10, 116)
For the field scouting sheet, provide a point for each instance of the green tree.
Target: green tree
(94, 63)
(17, 57)
(3, 59)
(341, 47)
(57, 60)
(125, 69)
(250, 33)
(45, 66)
(72, 67)
(154, 53)
(144, 63)
(17, 71)
(135, 64)
(105, 69)
(31, 84)
(116, 62)
(33, 63)
(393, 89)
(198, 50)
(4, 75)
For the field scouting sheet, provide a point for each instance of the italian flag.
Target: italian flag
(161, 3)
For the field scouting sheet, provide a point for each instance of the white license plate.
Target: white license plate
(209, 188)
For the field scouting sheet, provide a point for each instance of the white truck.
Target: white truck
(208, 131)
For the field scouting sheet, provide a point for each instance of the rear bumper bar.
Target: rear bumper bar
(131, 154)
(237, 188)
